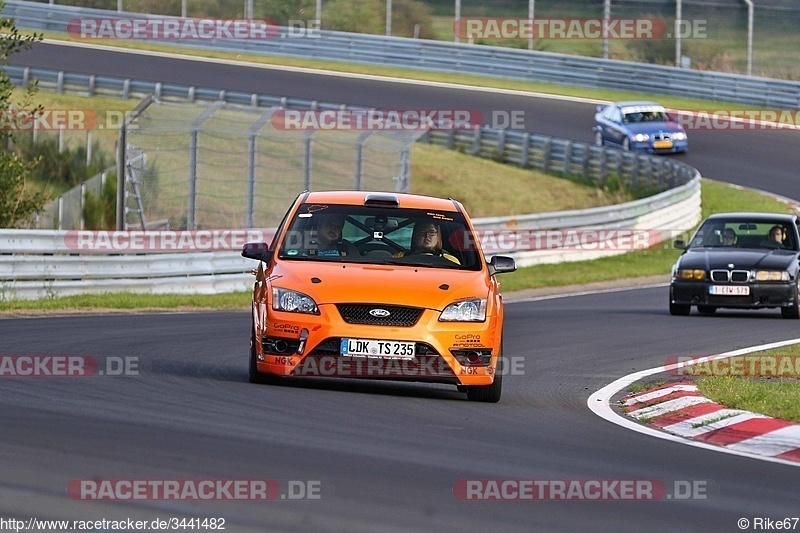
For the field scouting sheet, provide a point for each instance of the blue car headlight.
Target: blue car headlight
(678, 136)
(641, 137)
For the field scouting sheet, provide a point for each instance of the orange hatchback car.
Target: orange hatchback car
(378, 286)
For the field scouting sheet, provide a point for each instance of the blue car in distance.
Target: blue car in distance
(640, 127)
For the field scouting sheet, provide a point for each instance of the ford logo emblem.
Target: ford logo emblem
(379, 313)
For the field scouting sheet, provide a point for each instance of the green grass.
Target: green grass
(436, 171)
(777, 398)
(127, 300)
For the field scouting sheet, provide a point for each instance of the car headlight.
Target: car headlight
(465, 311)
(679, 136)
(293, 302)
(690, 273)
(771, 275)
(641, 137)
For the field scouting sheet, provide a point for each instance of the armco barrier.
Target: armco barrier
(465, 59)
(42, 263)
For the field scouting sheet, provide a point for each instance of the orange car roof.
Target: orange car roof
(411, 201)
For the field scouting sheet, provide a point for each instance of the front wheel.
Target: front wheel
(793, 311)
(254, 376)
(489, 393)
(679, 309)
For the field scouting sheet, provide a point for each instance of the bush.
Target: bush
(100, 211)
(369, 16)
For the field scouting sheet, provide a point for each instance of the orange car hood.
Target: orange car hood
(386, 284)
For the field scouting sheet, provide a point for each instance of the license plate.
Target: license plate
(376, 348)
(729, 290)
(660, 145)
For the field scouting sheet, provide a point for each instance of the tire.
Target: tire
(679, 309)
(626, 144)
(792, 312)
(706, 309)
(254, 376)
(598, 139)
(489, 393)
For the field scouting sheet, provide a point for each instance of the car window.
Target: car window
(380, 236)
(743, 234)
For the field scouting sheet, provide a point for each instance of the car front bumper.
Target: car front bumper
(437, 345)
(648, 146)
(762, 295)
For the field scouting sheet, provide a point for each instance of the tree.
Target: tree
(18, 201)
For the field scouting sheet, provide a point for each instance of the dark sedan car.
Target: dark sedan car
(738, 260)
(639, 126)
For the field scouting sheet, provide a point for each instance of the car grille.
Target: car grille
(661, 136)
(735, 276)
(332, 346)
(397, 315)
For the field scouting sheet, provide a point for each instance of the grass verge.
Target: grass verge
(780, 398)
(766, 382)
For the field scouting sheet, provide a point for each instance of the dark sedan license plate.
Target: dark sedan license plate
(662, 145)
(377, 348)
(728, 290)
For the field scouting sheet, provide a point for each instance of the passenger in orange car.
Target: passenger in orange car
(427, 240)
(329, 237)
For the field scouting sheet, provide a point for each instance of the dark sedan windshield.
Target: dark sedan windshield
(738, 233)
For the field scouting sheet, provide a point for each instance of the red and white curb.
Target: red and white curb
(680, 409)
(678, 413)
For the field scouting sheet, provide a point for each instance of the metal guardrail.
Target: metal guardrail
(465, 59)
(43, 264)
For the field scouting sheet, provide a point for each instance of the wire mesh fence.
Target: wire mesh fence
(226, 166)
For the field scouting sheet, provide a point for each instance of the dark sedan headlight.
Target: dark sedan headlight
(679, 136)
(770, 275)
(293, 302)
(690, 274)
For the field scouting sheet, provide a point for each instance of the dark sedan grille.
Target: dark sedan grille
(736, 276)
(397, 315)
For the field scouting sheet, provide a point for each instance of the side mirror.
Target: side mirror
(679, 244)
(600, 108)
(257, 250)
(502, 263)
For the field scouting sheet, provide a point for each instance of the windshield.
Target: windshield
(739, 233)
(644, 114)
(415, 237)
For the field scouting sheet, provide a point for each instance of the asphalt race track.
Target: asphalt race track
(765, 159)
(384, 456)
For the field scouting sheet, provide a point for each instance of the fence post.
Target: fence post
(501, 145)
(60, 211)
(567, 159)
(405, 169)
(88, 147)
(60, 140)
(191, 206)
(358, 164)
(476, 140)
(547, 151)
(307, 160)
(526, 149)
(83, 205)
